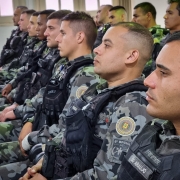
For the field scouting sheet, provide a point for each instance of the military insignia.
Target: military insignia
(125, 126)
(80, 91)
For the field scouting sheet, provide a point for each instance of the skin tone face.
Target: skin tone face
(115, 17)
(23, 22)
(111, 55)
(52, 31)
(41, 26)
(102, 13)
(164, 85)
(67, 38)
(140, 18)
(172, 18)
(32, 26)
(16, 16)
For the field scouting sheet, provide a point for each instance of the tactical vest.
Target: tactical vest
(56, 95)
(82, 143)
(17, 44)
(39, 77)
(26, 54)
(143, 162)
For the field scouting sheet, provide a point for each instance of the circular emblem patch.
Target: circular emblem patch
(80, 91)
(125, 126)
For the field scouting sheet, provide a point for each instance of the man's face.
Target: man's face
(102, 13)
(164, 84)
(52, 31)
(32, 26)
(140, 18)
(16, 16)
(110, 55)
(23, 22)
(67, 41)
(41, 26)
(172, 18)
(115, 17)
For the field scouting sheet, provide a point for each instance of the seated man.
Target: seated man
(157, 148)
(114, 111)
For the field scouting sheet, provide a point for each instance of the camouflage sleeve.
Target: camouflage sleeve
(29, 105)
(128, 118)
(79, 83)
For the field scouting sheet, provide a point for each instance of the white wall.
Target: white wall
(4, 34)
(160, 6)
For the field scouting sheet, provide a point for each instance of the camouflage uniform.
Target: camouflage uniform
(157, 33)
(127, 116)
(80, 81)
(10, 70)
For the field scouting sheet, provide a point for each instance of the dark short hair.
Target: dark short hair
(138, 37)
(47, 12)
(178, 5)
(36, 13)
(58, 14)
(147, 7)
(81, 21)
(28, 12)
(117, 8)
(22, 8)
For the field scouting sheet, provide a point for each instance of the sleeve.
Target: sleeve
(128, 118)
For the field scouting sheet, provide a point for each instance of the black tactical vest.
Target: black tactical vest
(143, 162)
(39, 76)
(17, 44)
(82, 143)
(56, 95)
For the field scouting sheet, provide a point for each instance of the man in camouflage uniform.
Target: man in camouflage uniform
(9, 71)
(18, 42)
(103, 20)
(73, 25)
(172, 18)
(17, 31)
(145, 14)
(121, 119)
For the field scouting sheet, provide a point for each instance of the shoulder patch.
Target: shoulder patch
(125, 126)
(80, 91)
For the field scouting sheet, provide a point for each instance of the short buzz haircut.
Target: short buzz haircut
(22, 8)
(28, 12)
(47, 12)
(147, 7)
(81, 21)
(58, 14)
(117, 8)
(36, 13)
(138, 37)
(178, 4)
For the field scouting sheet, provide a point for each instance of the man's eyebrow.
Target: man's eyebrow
(162, 67)
(107, 40)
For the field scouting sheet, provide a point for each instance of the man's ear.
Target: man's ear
(149, 15)
(132, 57)
(80, 37)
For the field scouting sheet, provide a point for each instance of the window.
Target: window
(60, 4)
(52, 4)
(93, 5)
(6, 8)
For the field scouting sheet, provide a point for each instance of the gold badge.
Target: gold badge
(125, 126)
(80, 91)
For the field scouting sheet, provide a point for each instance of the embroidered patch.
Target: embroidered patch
(80, 91)
(125, 126)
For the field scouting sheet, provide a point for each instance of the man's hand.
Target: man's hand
(27, 128)
(6, 90)
(31, 172)
(9, 115)
(10, 108)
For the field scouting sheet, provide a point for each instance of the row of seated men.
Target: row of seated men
(88, 110)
